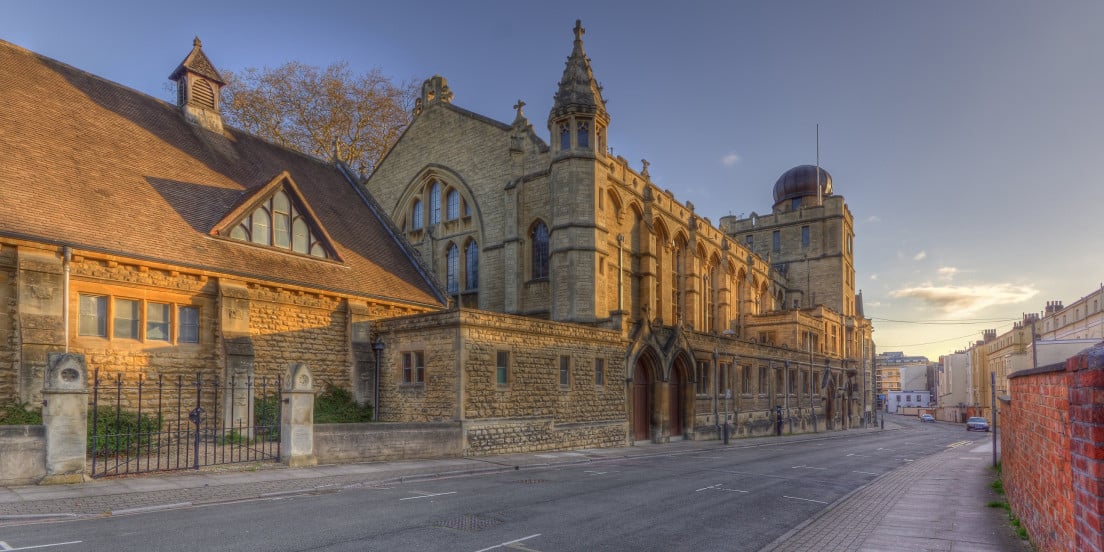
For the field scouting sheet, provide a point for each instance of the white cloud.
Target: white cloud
(920, 256)
(947, 272)
(967, 299)
(873, 219)
(874, 276)
(732, 158)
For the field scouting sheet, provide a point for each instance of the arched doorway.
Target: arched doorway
(642, 387)
(676, 399)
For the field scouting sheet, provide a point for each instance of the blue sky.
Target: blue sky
(966, 136)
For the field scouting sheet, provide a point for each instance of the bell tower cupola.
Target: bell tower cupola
(578, 119)
(198, 84)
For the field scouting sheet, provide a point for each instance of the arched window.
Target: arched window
(706, 304)
(452, 205)
(452, 270)
(278, 222)
(565, 137)
(539, 237)
(583, 138)
(434, 203)
(471, 260)
(416, 215)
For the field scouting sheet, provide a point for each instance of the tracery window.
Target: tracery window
(539, 238)
(278, 222)
(565, 137)
(583, 138)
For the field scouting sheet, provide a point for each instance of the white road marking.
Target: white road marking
(427, 495)
(865, 473)
(859, 455)
(805, 499)
(807, 467)
(595, 472)
(5, 546)
(509, 543)
(719, 487)
(958, 444)
(885, 449)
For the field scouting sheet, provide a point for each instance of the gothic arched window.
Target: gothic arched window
(416, 215)
(434, 203)
(452, 205)
(452, 270)
(471, 261)
(539, 238)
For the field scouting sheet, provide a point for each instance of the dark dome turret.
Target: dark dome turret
(801, 182)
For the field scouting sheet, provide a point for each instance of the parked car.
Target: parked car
(977, 423)
(927, 418)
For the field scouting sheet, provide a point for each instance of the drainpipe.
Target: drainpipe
(67, 257)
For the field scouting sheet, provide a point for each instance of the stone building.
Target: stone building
(543, 294)
(710, 322)
(157, 241)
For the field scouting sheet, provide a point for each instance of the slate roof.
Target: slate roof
(92, 164)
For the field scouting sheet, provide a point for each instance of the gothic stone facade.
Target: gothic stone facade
(567, 232)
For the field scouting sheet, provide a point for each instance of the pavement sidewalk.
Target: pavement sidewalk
(936, 503)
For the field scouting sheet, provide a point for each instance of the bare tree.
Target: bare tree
(321, 112)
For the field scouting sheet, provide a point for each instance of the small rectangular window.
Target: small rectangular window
(93, 315)
(187, 325)
(565, 371)
(157, 321)
(413, 368)
(750, 241)
(502, 370)
(599, 371)
(701, 387)
(763, 380)
(127, 318)
(804, 236)
(776, 241)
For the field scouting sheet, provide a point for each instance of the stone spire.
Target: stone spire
(197, 63)
(578, 91)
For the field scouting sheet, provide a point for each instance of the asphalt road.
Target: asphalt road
(736, 498)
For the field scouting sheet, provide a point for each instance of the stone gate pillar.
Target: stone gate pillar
(297, 418)
(65, 415)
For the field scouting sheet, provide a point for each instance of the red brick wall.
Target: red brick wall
(1052, 450)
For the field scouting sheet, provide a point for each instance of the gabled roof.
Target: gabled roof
(98, 166)
(197, 62)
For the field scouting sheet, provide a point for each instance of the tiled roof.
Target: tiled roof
(92, 164)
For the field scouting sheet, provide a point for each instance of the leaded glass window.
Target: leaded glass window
(452, 271)
(540, 251)
(471, 258)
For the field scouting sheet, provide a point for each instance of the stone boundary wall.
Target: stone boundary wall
(22, 454)
(377, 442)
(1052, 443)
(508, 436)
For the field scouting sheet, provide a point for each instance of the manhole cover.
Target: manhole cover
(468, 522)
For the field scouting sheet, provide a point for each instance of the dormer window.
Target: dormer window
(279, 222)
